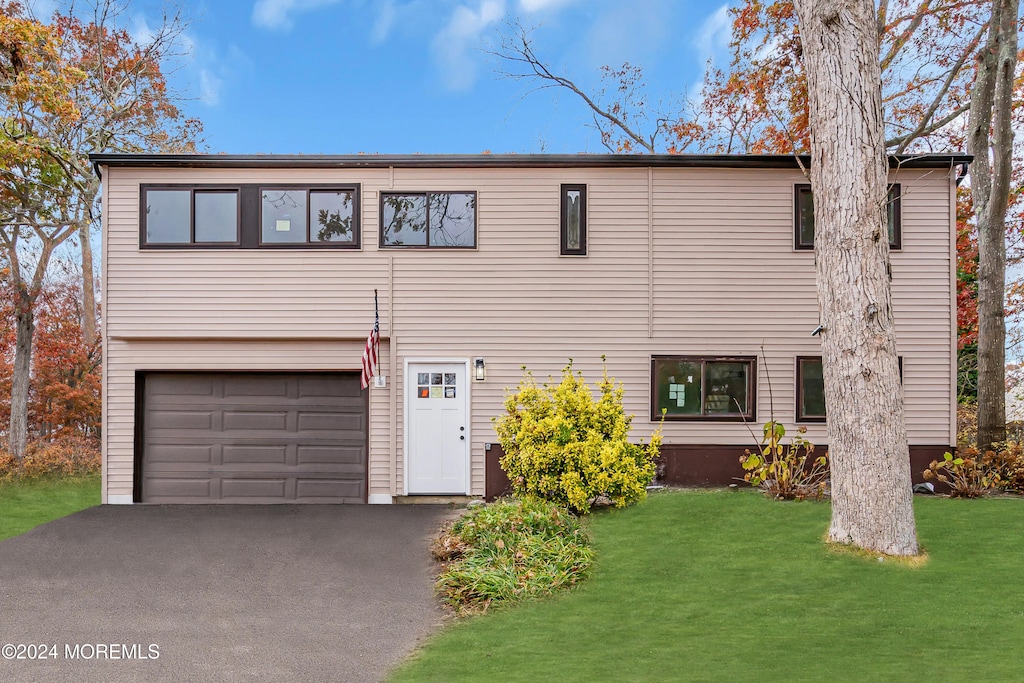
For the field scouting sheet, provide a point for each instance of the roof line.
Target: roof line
(498, 160)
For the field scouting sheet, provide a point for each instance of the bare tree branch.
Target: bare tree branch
(518, 49)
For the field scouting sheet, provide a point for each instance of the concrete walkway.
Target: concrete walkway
(219, 593)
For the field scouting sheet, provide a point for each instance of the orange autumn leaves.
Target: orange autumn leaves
(64, 397)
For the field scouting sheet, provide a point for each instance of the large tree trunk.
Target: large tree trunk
(990, 132)
(88, 287)
(872, 502)
(24, 330)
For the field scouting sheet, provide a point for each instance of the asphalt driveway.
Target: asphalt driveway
(218, 593)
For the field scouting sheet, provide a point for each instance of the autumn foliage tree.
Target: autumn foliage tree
(66, 368)
(34, 96)
(77, 85)
(64, 391)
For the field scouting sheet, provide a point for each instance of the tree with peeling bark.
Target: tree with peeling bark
(990, 140)
(872, 502)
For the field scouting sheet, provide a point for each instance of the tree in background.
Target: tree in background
(77, 85)
(35, 90)
(125, 105)
(66, 368)
(990, 140)
(64, 390)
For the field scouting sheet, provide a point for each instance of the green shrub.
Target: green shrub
(781, 470)
(562, 445)
(508, 551)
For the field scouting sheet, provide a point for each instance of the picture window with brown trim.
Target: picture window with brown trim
(428, 220)
(703, 388)
(301, 216)
(803, 219)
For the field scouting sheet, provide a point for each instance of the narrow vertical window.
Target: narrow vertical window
(574, 220)
(810, 390)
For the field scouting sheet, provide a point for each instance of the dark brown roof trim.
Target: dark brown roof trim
(495, 160)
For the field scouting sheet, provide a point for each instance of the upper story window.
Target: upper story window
(431, 220)
(187, 216)
(703, 388)
(249, 216)
(804, 217)
(303, 216)
(573, 222)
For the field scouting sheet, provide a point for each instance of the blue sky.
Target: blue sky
(413, 76)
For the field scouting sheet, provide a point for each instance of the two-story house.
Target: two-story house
(238, 294)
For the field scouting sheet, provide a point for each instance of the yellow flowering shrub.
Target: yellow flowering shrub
(562, 445)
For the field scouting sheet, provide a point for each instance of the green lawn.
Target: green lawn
(729, 586)
(29, 503)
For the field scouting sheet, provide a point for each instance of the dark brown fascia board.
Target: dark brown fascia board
(496, 160)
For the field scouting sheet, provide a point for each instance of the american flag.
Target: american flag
(371, 354)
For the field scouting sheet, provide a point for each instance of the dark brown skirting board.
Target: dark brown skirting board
(699, 465)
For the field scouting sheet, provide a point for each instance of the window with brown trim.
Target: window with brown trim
(190, 216)
(306, 216)
(573, 221)
(428, 220)
(719, 388)
(249, 216)
(803, 218)
(810, 388)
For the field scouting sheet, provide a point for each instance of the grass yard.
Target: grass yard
(729, 586)
(28, 503)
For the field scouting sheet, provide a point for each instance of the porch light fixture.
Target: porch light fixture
(478, 366)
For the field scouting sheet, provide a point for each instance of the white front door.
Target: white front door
(438, 441)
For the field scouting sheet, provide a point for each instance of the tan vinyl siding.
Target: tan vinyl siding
(721, 277)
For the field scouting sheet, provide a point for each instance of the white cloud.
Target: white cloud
(384, 22)
(452, 44)
(634, 32)
(277, 14)
(713, 35)
(209, 87)
(542, 5)
(211, 68)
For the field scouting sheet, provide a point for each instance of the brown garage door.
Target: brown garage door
(252, 438)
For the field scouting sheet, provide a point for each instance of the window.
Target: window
(433, 220)
(695, 388)
(573, 220)
(307, 216)
(810, 388)
(804, 217)
(249, 216)
(190, 216)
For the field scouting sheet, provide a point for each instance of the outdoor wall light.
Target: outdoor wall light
(478, 366)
